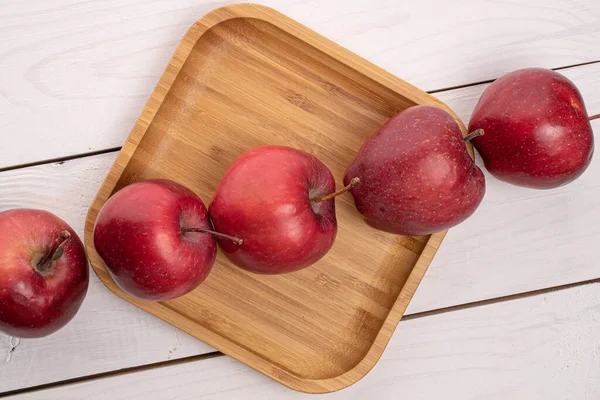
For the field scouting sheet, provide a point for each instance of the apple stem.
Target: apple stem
(593, 117)
(234, 239)
(474, 134)
(353, 182)
(56, 251)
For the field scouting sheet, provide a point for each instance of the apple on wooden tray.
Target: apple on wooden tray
(44, 273)
(280, 201)
(156, 240)
(416, 175)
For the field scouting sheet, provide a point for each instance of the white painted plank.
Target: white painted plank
(471, 265)
(542, 347)
(75, 75)
(519, 239)
(107, 333)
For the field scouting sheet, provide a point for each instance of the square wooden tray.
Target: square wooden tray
(242, 76)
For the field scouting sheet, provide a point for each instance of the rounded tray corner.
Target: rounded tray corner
(385, 95)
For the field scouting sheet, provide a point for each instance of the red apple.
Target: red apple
(537, 132)
(43, 274)
(416, 175)
(276, 199)
(155, 239)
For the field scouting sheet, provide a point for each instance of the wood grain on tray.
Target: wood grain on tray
(244, 76)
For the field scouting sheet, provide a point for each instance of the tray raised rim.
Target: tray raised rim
(162, 309)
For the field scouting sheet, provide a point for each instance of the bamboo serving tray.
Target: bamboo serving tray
(243, 76)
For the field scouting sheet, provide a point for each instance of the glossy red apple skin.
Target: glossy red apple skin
(36, 303)
(416, 175)
(537, 132)
(138, 234)
(265, 199)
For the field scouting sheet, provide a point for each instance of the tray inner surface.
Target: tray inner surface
(247, 83)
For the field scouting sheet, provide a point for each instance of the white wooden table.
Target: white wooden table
(510, 307)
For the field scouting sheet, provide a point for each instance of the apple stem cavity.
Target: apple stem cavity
(355, 181)
(56, 251)
(234, 239)
(474, 134)
(593, 117)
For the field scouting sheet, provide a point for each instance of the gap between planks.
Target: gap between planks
(214, 354)
(61, 160)
(449, 88)
(109, 374)
(116, 149)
